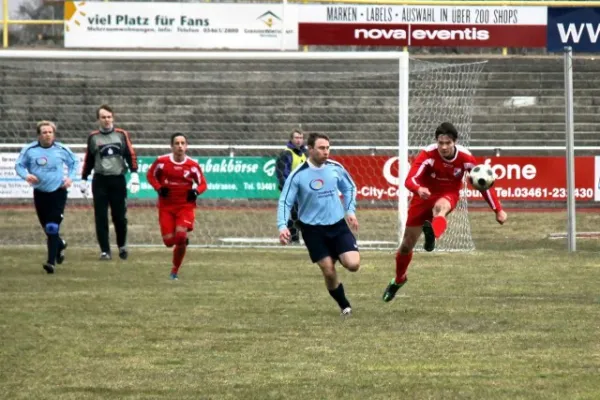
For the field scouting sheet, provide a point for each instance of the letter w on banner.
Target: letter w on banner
(578, 27)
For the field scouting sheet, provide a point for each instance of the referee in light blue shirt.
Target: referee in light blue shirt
(41, 164)
(315, 185)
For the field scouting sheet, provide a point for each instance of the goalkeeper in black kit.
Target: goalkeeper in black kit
(109, 154)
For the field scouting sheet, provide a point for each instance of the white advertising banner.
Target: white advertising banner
(597, 178)
(415, 25)
(13, 187)
(181, 25)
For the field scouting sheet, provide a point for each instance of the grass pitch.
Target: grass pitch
(517, 319)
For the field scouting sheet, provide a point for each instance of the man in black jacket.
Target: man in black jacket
(110, 153)
(295, 154)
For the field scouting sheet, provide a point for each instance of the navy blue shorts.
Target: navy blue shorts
(328, 240)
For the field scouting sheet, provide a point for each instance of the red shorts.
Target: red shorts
(169, 218)
(421, 210)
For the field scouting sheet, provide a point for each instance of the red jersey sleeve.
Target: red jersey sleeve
(417, 171)
(198, 177)
(153, 173)
(490, 194)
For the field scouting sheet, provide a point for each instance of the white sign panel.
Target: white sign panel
(181, 25)
(13, 187)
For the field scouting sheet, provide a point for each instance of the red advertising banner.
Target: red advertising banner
(518, 178)
(422, 35)
(404, 25)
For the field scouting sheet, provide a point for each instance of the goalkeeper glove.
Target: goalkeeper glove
(134, 183)
(192, 195)
(163, 191)
(84, 187)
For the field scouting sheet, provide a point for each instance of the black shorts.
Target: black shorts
(328, 240)
(50, 206)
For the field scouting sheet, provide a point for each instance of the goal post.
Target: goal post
(238, 109)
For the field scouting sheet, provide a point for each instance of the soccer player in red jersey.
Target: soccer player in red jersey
(435, 178)
(178, 180)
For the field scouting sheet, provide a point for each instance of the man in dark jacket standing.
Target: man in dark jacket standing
(110, 153)
(294, 154)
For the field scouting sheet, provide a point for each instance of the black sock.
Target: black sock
(53, 245)
(339, 296)
(61, 245)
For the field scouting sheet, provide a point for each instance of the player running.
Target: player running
(435, 178)
(323, 218)
(178, 180)
(41, 164)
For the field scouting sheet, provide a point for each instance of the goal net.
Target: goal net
(238, 110)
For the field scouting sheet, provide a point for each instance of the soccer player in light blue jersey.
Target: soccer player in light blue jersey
(41, 164)
(322, 215)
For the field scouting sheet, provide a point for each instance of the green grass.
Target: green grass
(517, 319)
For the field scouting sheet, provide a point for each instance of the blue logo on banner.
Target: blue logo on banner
(578, 27)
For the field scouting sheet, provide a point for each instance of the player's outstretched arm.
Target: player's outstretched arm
(501, 217)
(489, 195)
(492, 200)
(286, 201)
(200, 180)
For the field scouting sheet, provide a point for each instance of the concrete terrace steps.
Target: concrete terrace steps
(264, 104)
(263, 129)
(299, 97)
(231, 100)
(258, 129)
(24, 83)
(530, 64)
(233, 118)
(483, 106)
(388, 116)
(225, 103)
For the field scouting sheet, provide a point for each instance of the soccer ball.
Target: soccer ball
(482, 177)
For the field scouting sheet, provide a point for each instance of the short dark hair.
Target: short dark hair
(312, 138)
(446, 128)
(294, 132)
(177, 134)
(105, 107)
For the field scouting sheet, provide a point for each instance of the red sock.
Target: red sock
(180, 238)
(402, 262)
(439, 225)
(178, 254)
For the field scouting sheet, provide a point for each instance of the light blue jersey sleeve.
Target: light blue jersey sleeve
(287, 199)
(348, 189)
(22, 163)
(71, 161)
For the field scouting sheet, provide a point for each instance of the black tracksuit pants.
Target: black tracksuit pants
(50, 207)
(110, 190)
